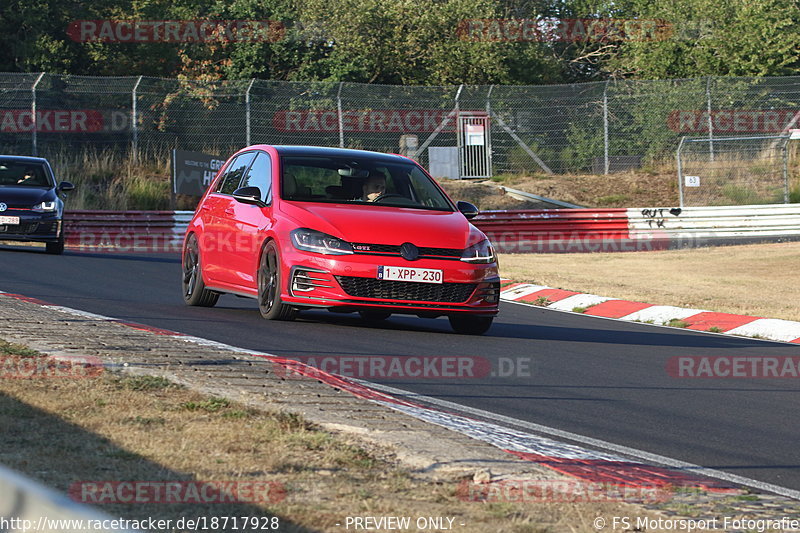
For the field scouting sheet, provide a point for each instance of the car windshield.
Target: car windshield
(19, 174)
(360, 181)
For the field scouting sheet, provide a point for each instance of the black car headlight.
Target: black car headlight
(315, 241)
(482, 252)
(45, 207)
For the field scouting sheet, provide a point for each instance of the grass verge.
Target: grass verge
(121, 428)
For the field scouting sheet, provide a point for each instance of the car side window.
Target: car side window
(260, 175)
(221, 181)
(233, 176)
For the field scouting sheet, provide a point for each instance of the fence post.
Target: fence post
(605, 128)
(710, 122)
(34, 122)
(680, 170)
(459, 141)
(786, 171)
(247, 110)
(135, 121)
(339, 115)
(488, 131)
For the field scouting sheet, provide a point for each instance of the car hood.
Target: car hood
(384, 225)
(25, 196)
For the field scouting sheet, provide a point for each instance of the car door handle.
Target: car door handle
(228, 210)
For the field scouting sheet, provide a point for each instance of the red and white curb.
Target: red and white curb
(695, 319)
(608, 463)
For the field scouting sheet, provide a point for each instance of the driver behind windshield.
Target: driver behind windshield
(30, 177)
(374, 187)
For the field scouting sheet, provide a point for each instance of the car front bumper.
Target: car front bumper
(32, 227)
(350, 282)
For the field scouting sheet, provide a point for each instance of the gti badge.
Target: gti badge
(3, 207)
(409, 252)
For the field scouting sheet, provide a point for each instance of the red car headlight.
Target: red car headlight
(481, 253)
(315, 241)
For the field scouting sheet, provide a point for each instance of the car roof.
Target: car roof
(24, 159)
(324, 151)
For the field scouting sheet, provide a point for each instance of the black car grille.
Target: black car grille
(424, 252)
(406, 290)
(30, 228)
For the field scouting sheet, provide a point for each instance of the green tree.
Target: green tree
(708, 37)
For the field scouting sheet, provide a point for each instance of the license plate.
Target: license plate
(9, 220)
(421, 275)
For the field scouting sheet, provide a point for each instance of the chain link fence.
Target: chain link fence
(600, 127)
(733, 170)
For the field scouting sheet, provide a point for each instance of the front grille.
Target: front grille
(406, 290)
(441, 252)
(390, 249)
(26, 228)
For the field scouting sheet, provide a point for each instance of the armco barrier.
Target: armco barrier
(638, 229)
(534, 231)
(706, 226)
(160, 231)
(557, 230)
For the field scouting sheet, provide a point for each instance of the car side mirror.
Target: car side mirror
(467, 209)
(249, 195)
(66, 186)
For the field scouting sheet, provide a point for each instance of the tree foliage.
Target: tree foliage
(410, 42)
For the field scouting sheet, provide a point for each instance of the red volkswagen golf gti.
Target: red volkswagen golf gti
(299, 227)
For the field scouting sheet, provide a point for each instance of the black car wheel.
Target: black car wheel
(470, 325)
(269, 286)
(194, 289)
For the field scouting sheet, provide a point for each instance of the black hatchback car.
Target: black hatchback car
(30, 207)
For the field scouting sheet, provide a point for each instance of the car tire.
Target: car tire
(374, 315)
(55, 248)
(269, 286)
(470, 325)
(194, 288)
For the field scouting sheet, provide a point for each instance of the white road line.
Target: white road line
(640, 455)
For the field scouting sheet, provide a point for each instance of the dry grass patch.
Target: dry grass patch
(756, 280)
(640, 188)
(116, 428)
(484, 196)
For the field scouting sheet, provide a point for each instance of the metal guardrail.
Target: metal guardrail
(540, 231)
(27, 505)
(705, 226)
(160, 231)
(556, 230)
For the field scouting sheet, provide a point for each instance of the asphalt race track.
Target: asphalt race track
(594, 377)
